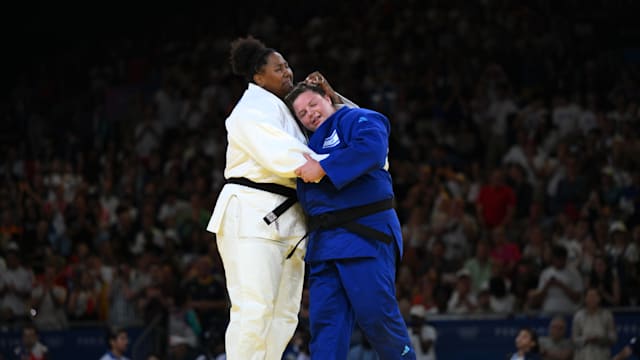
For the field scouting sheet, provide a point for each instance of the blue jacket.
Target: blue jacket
(358, 141)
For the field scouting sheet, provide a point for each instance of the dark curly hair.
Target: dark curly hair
(248, 55)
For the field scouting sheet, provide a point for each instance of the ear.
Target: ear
(258, 79)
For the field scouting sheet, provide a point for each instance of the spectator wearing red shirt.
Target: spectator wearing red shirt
(496, 201)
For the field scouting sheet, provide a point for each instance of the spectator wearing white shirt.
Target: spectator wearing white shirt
(423, 336)
(15, 287)
(462, 300)
(560, 286)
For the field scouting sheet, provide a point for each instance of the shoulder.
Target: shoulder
(256, 101)
(360, 116)
(544, 341)
(368, 113)
(606, 313)
(579, 315)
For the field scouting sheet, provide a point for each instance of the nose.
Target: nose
(309, 116)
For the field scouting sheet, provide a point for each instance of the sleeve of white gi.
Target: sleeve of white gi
(269, 144)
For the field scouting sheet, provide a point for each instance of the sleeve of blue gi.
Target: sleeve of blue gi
(366, 149)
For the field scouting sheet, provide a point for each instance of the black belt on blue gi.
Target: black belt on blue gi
(289, 193)
(346, 218)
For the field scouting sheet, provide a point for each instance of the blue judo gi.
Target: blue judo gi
(352, 277)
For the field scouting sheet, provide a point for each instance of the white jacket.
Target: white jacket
(265, 145)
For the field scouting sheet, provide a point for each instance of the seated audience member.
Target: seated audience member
(556, 346)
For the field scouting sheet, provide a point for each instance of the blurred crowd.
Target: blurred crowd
(515, 155)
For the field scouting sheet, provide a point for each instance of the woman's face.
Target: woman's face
(312, 109)
(276, 75)
(592, 299)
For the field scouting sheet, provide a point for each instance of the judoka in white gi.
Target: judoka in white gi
(265, 145)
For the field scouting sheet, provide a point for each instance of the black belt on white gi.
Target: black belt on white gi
(346, 218)
(287, 192)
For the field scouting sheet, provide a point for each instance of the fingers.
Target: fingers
(315, 78)
(307, 156)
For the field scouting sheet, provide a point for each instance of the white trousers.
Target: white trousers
(265, 290)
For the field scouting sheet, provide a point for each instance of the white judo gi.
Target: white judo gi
(265, 145)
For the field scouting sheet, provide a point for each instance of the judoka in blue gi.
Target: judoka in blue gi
(355, 238)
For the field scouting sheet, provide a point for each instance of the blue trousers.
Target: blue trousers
(343, 292)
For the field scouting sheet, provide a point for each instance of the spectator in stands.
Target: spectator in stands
(123, 296)
(122, 233)
(522, 188)
(183, 322)
(484, 300)
(15, 287)
(206, 294)
(48, 300)
(156, 295)
(457, 230)
(593, 330)
(423, 335)
(149, 237)
(462, 300)
(526, 155)
(479, 266)
(537, 248)
(523, 282)
(559, 285)
(496, 203)
(502, 107)
(620, 255)
(605, 278)
(505, 252)
(501, 300)
(84, 296)
(425, 293)
(31, 348)
(556, 346)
